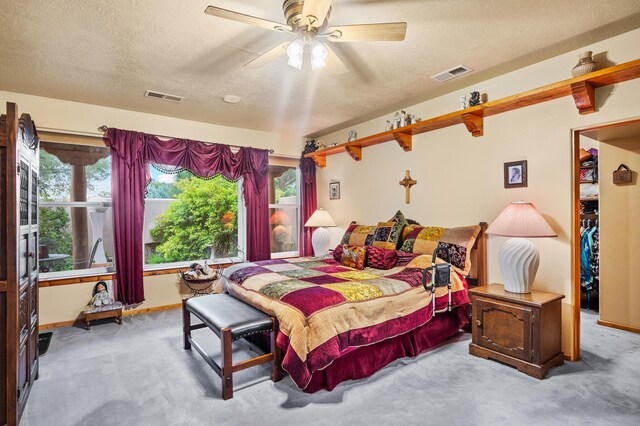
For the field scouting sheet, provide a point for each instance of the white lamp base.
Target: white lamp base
(320, 242)
(519, 260)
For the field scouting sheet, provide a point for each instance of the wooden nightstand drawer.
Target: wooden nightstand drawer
(504, 327)
(522, 330)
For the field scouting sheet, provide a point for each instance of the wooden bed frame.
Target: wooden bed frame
(479, 264)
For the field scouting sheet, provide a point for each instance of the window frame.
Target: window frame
(297, 206)
(242, 223)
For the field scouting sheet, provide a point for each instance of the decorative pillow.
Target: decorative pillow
(337, 253)
(358, 235)
(458, 242)
(381, 258)
(399, 217)
(388, 235)
(406, 231)
(354, 256)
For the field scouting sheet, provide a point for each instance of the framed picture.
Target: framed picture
(334, 190)
(515, 174)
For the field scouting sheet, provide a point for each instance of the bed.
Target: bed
(339, 323)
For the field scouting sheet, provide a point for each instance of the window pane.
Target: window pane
(188, 218)
(56, 246)
(284, 229)
(75, 207)
(283, 184)
(283, 209)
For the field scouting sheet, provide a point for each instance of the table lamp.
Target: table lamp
(519, 257)
(320, 238)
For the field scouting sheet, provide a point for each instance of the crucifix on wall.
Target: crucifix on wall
(407, 182)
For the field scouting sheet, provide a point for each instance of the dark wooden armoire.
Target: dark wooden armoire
(19, 159)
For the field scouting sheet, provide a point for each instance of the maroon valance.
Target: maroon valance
(131, 153)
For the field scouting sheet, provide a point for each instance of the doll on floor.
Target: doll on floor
(101, 296)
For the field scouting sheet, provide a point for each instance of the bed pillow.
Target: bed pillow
(458, 242)
(381, 258)
(358, 235)
(387, 235)
(399, 217)
(337, 253)
(354, 256)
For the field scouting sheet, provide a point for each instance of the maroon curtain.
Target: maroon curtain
(131, 154)
(309, 203)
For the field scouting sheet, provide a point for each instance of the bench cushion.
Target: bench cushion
(220, 311)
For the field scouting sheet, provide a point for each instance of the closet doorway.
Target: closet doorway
(606, 234)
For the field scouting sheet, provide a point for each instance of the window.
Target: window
(283, 210)
(74, 208)
(188, 218)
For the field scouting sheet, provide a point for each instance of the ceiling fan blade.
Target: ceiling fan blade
(246, 19)
(334, 64)
(318, 9)
(268, 56)
(391, 31)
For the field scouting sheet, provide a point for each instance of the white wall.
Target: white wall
(619, 234)
(460, 178)
(64, 303)
(85, 118)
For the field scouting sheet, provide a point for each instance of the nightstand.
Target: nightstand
(521, 330)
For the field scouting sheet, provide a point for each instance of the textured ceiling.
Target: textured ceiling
(110, 52)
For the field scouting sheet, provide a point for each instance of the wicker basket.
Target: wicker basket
(202, 285)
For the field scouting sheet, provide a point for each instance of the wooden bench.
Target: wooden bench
(108, 311)
(230, 319)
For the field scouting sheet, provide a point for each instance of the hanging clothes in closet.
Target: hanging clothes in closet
(589, 257)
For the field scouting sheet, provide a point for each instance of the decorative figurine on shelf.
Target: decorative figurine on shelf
(463, 102)
(101, 296)
(387, 127)
(396, 120)
(475, 99)
(403, 118)
(310, 146)
(353, 135)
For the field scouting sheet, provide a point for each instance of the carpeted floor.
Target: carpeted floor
(138, 374)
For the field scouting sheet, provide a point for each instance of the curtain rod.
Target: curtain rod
(104, 128)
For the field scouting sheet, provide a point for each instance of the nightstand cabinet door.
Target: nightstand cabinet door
(518, 329)
(504, 328)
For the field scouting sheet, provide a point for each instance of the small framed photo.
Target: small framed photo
(515, 174)
(334, 190)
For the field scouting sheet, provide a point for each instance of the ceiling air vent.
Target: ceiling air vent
(164, 96)
(451, 73)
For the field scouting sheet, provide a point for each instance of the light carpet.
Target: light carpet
(138, 374)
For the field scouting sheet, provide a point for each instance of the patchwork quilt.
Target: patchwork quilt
(326, 310)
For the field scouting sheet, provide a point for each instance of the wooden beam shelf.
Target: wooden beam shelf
(581, 88)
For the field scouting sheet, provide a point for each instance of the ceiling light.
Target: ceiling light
(295, 51)
(317, 51)
(232, 99)
(319, 54)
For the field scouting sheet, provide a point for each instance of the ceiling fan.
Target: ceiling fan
(309, 21)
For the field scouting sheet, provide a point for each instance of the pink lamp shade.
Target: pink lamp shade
(518, 257)
(521, 219)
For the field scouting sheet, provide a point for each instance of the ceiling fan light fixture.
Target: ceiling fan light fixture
(319, 54)
(295, 52)
(295, 62)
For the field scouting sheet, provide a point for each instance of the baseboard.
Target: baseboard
(78, 321)
(619, 326)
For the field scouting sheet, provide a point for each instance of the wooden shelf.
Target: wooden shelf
(581, 88)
